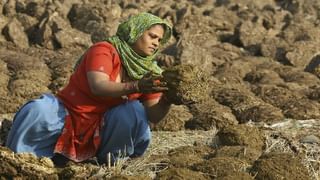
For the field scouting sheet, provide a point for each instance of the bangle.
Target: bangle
(131, 86)
(136, 86)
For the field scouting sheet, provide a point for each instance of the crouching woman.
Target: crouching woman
(107, 103)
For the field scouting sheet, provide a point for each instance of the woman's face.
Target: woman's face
(148, 43)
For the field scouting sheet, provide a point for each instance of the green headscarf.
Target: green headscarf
(127, 34)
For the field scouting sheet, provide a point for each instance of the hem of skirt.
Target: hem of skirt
(75, 159)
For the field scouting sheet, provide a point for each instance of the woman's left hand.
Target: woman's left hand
(151, 84)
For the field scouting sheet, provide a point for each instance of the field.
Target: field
(248, 106)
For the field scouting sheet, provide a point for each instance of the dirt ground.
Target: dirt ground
(247, 101)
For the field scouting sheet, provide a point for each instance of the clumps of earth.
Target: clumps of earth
(240, 66)
(186, 83)
(238, 152)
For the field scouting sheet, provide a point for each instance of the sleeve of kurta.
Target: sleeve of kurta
(100, 58)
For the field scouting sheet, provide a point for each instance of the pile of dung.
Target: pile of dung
(5, 126)
(81, 171)
(247, 154)
(17, 166)
(181, 174)
(279, 166)
(126, 177)
(175, 119)
(196, 154)
(186, 83)
(209, 114)
(21, 165)
(242, 135)
(245, 105)
(177, 157)
(222, 166)
(238, 176)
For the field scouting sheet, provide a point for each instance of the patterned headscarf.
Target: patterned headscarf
(127, 34)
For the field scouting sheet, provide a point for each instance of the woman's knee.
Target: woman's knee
(43, 104)
(38, 106)
(128, 116)
(144, 138)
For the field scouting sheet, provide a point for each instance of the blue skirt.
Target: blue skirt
(38, 124)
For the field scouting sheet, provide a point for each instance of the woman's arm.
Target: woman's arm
(100, 85)
(156, 109)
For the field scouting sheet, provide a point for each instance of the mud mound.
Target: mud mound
(25, 78)
(175, 119)
(261, 113)
(61, 69)
(290, 74)
(221, 166)
(210, 114)
(301, 109)
(199, 36)
(275, 48)
(293, 104)
(25, 165)
(242, 135)
(4, 78)
(124, 177)
(233, 72)
(81, 171)
(275, 95)
(242, 152)
(5, 126)
(187, 84)
(263, 76)
(302, 49)
(314, 66)
(288, 77)
(237, 175)
(196, 154)
(180, 174)
(314, 93)
(279, 166)
(246, 106)
(177, 157)
(99, 21)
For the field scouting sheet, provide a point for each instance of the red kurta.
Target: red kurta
(80, 138)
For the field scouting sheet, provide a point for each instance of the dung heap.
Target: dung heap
(187, 84)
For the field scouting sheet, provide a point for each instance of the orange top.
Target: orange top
(80, 137)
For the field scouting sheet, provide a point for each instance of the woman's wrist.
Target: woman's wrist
(131, 87)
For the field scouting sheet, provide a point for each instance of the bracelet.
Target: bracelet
(131, 86)
(136, 86)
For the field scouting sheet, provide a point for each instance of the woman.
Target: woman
(99, 111)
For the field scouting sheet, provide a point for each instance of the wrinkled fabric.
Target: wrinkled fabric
(37, 126)
(39, 123)
(126, 132)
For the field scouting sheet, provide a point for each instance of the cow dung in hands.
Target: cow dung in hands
(187, 84)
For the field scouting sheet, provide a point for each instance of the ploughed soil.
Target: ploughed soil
(245, 85)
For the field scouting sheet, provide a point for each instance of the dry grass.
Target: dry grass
(280, 137)
(162, 143)
(284, 137)
(312, 160)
